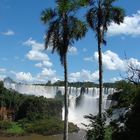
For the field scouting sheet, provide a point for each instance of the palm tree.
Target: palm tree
(99, 17)
(63, 28)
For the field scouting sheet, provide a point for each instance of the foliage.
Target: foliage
(108, 133)
(15, 129)
(63, 26)
(130, 130)
(125, 95)
(33, 114)
(96, 128)
(34, 108)
(29, 106)
(48, 127)
(5, 125)
(11, 128)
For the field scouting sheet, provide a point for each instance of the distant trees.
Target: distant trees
(63, 29)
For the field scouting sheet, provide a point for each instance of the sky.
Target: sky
(24, 59)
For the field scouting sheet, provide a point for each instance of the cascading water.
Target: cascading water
(82, 101)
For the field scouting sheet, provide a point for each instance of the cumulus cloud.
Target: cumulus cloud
(112, 61)
(38, 56)
(114, 79)
(37, 53)
(34, 44)
(39, 65)
(2, 70)
(8, 33)
(47, 72)
(88, 59)
(72, 50)
(84, 75)
(130, 26)
(22, 76)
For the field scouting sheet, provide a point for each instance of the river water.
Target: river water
(73, 136)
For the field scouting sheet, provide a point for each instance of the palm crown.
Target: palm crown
(101, 14)
(63, 27)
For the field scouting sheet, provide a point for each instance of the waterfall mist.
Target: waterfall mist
(82, 101)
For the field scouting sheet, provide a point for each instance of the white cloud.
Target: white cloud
(8, 33)
(112, 61)
(22, 76)
(72, 50)
(134, 62)
(2, 70)
(88, 59)
(47, 63)
(75, 76)
(37, 54)
(34, 44)
(130, 26)
(47, 72)
(84, 75)
(43, 64)
(114, 79)
(39, 65)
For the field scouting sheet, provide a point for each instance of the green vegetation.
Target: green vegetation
(126, 126)
(15, 129)
(49, 127)
(8, 128)
(30, 114)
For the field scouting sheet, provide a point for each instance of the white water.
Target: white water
(88, 103)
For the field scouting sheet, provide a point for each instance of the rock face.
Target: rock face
(6, 114)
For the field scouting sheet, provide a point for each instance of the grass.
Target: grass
(15, 129)
(108, 133)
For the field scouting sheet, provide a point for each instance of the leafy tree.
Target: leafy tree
(96, 128)
(63, 28)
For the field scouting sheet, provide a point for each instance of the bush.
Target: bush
(15, 129)
(48, 127)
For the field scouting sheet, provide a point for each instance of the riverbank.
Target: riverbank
(80, 135)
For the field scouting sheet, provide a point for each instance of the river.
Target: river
(73, 136)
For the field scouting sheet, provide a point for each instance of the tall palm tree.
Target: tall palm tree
(63, 28)
(100, 15)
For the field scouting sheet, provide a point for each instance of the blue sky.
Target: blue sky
(22, 54)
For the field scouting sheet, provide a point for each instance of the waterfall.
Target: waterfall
(82, 101)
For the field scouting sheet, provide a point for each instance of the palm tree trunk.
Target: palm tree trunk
(100, 78)
(65, 99)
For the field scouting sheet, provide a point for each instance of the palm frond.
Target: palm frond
(77, 28)
(117, 14)
(47, 15)
(91, 17)
(51, 32)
